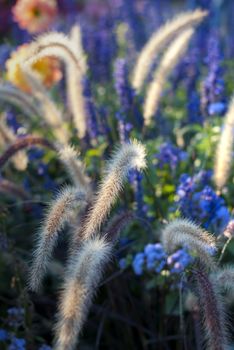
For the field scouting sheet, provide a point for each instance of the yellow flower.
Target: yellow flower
(48, 69)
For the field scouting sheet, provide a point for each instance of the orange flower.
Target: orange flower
(35, 15)
(48, 69)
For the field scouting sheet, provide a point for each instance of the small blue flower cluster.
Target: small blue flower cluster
(3, 335)
(15, 316)
(170, 155)
(17, 344)
(179, 260)
(199, 202)
(155, 259)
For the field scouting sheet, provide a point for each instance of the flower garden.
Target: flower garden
(116, 174)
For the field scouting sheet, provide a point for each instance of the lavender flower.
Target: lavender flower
(170, 155)
(124, 128)
(92, 124)
(122, 86)
(212, 98)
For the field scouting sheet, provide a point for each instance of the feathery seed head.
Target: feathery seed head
(69, 157)
(60, 211)
(128, 156)
(169, 60)
(159, 40)
(224, 150)
(185, 233)
(212, 309)
(84, 273)
(224, 278)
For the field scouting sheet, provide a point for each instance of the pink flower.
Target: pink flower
(35, 15)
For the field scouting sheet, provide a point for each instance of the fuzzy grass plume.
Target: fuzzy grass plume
(168, 62)
(224, 152)
(18, 98)
(61, 46)
(59, 212)
(185, 233)
(70, 158)
(159, 40)
(49, 111)
(224, 278)
(76, 38)
(82, 278)
(128, 156)
(212, 309)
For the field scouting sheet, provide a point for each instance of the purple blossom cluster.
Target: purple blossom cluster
(92, 123)
(212, 96)
(199, 202)
(170, 155)
(122, 86)
(155, 259)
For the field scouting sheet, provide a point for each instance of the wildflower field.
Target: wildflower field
(116, 174)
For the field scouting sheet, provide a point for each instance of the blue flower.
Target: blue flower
(45, 347)
(217, 108)
(199, 202)
(3, 335)
(15, 316)
(138, 263)
(17, 344)
(179, 260)
(122, 263)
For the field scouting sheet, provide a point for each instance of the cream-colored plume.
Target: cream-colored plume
(168, 62)
(76, 38)
(224, 152)
(224, 278)
(18, 98)
(75, 169)
(81, 280)
(61, 46)
(51, 114)
(184, 233)
(159, 40)
(129, 156)
(60, 211)
(211, 306)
